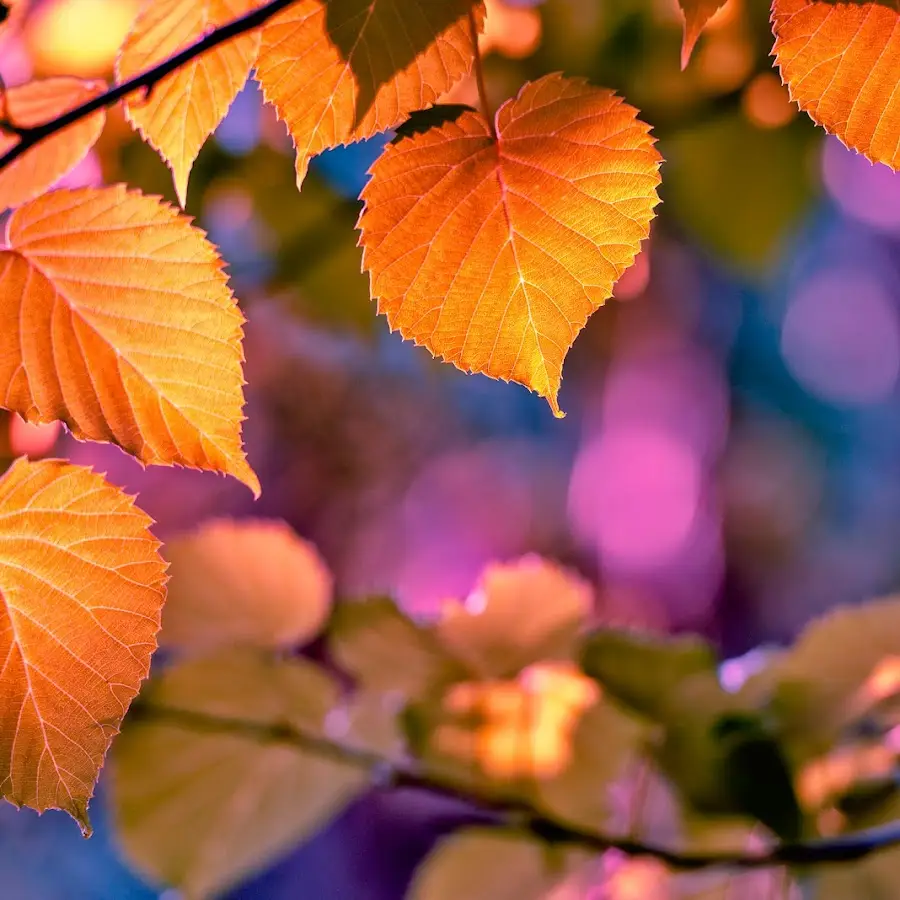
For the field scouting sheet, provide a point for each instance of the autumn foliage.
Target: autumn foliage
(489, 237)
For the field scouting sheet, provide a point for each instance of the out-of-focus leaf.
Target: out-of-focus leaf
(642, 671)
(81, 587)
(840, 62)
(738, 188)
(491, 244)
(691, 753)
(841, 665)
(33, 104)
(604, 741)
(199, 806)
(250, 582)
(519, 613)
(874, 878)
(386, 651)
(758, 775)
(315, 253)
(482, 864)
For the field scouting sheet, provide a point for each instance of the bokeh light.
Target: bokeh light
(866, 192)
(635, 491)
(78, 37)
(841, 337)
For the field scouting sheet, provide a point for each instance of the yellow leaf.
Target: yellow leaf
(199, 807)
(841, 63)
(186, 107)
(493, 252)
(82, 583)
(117, 319)
(33, 104)
(249, 582)
(522, 612)
(339, 71)
(493, 864)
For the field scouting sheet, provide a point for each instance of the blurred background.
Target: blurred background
(729, 463)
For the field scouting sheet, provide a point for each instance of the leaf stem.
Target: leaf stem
(486, 110)
(145, 80)
(521, 815)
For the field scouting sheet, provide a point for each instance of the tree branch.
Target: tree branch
(146, 80)
(520, 814)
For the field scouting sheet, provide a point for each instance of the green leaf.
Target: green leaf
(738, 188)
(490, 864)
(522, 612)
(818, 684)
(200, 805)
(644, 671)
(603, 743)
(386, 651)
(758, 776)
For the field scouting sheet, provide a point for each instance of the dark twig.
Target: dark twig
(145, 81)
(521, 815)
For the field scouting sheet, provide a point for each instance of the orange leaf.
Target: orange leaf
(493, 253)
(40, 167)
(696, 15)
(841, 63)
(339, 71)
(117, 319)
(186, 107)
(82, 584)
(251, 583)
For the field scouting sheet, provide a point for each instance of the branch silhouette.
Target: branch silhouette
(146, 80)
(387, 774)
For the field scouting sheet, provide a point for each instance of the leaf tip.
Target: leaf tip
(688, 43)
(78, 811)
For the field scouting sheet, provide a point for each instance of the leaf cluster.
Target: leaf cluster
(489, 238)
(513, 700)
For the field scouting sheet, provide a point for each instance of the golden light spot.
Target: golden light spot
(766, 102)
(522, 728)
(510, 31)
(78, 37)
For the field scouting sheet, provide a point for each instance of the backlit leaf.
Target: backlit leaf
(40, 167)
(117, 319)
(493, 253)
(248, 582)
(82, 583)
(338, 71)
(841, 63)
(696, 14)
(490, 864)
(199, 806)
(185, 108)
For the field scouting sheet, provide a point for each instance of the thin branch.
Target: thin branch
(145, 80)
(486, 110)
(522, 815)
